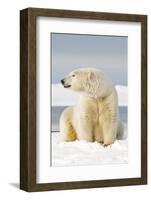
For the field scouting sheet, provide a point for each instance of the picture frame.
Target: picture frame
(28, 98)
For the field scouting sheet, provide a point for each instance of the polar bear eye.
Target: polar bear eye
(73, 75)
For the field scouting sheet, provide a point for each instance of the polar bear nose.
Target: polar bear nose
(62, 81)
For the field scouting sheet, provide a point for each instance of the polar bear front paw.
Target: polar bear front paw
(107, 145)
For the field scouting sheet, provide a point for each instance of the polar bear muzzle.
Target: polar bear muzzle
(64, 84)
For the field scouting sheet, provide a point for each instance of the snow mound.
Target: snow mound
(62, 96)
(122, 92)
(80, 153)
(66, 97)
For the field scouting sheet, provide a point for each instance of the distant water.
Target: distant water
(57, 110)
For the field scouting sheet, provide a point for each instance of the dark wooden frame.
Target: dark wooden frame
(28, 98)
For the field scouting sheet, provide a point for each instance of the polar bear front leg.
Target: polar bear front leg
(84, 129)
(109, 132)
(110, 118)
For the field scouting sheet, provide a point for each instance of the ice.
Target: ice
(66, 97)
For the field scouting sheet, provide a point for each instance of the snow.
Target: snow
(66, 97)
(62, 96)
(122, 92)
(80, 153)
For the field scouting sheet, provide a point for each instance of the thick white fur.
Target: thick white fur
(95, 117)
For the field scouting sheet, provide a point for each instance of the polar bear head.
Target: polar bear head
(89, 81)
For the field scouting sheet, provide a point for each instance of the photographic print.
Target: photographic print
(89, 99)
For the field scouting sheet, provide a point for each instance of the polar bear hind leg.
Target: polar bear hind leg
(67, 131)
(120, 131)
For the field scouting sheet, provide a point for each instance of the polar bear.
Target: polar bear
(95, 117)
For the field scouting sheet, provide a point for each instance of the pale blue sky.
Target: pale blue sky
(71, 51)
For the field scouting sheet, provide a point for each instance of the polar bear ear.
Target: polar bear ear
(91, 76)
